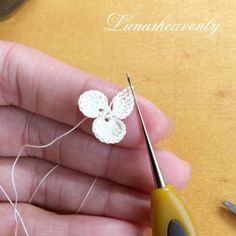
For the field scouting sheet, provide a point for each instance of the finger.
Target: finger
(81, 151)
(64, 191)
(40, 84)
(40, 222)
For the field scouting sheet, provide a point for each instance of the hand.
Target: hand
(38, 99)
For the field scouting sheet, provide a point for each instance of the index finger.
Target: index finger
(38, 83)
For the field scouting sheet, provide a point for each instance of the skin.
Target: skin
(38, 102)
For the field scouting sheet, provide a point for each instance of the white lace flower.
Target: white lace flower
(107, 126)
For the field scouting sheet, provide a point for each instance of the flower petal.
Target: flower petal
(109, 130)
(122, 104)
(93, 103)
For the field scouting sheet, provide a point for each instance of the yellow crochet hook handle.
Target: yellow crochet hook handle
(169, 214)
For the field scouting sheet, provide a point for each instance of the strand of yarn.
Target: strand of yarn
(86, 196)
(15, 210)
(38, 147)
(42, 180)
(34, 193)
(107, 127)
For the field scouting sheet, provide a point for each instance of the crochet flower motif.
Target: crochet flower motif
(107, 126)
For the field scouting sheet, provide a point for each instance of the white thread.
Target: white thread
(107, 126)
(45, 176)
(18, 156)
(86, 196)
(16, 220)
(17, 212)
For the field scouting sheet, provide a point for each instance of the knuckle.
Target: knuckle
(59, 145)
(13, 58)
(112, 163)
(108, 201)
(30, 134)
(8, 67)
(26, 138)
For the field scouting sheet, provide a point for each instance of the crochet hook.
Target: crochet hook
(230, 206)
(169, 214)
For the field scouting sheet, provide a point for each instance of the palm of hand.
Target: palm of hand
(38, 103)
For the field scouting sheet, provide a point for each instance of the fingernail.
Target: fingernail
(170, 127)
(182, 169)
(167, 127)
(185, 173)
